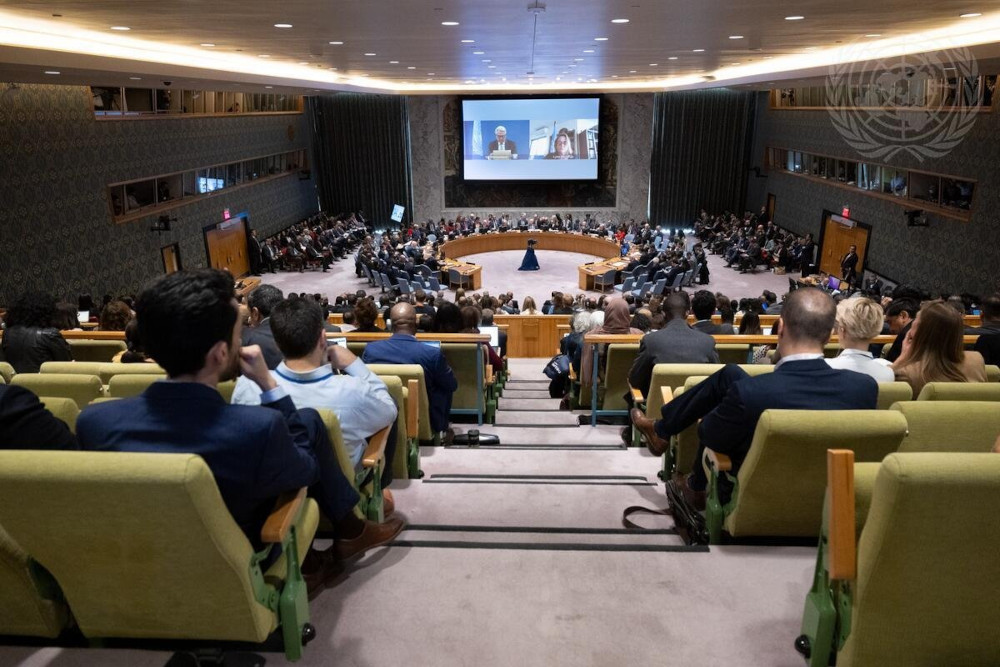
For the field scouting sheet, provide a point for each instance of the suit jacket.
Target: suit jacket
(988, 345)
(794, 385)
(675, 343)
(254, 453)
(26, 424)
(508, 146)
(262, 335)
(440, 380)
(712, 329)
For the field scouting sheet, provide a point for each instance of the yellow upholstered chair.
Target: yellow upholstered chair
(367, 478)
(407, 372)
(6, 372)
(226, 389)
(81, 388)
(143, 546)
(893, 392)
(63, 409)
(614, 387)
(992, 373)
(732, 353)
(472, 396)
(31, 603)
(110, 369)
(131, 384)
(919, 586)
(95, 350)
(779, 488)
(949, 426)
(72, 367)
(960, 391)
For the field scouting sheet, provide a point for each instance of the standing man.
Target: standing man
(502, 143)
(255, 252)
(849, 265)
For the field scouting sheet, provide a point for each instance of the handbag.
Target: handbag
(557, 366)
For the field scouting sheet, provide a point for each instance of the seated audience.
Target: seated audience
(31, 337)
(529, 307)
(260, 302)
(988, 344)
(616, 322)
(729, 403)
(900, 315)
(319, 376)
(133, 352)
(366, 314)
(26, 424)
(188, 322)
(933, 350)
(487, 321)
(750, 326)
(404, 348)
(470, 325)
(115, 316)
(858, 321)
(703, 306)
(675, 343)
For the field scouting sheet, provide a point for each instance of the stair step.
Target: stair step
(524, 393)
(526, 435)
(524, 418)
(529, 404)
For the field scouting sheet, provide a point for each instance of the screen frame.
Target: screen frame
(598, 180)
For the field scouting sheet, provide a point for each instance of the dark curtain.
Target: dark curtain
(362, 154)
(702, 148)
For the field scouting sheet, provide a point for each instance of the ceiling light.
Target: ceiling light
(578, 59)
(371, 54)
(51, 71)
(653, 64)
(874, 34)
(122, 28)
(449, 22)
(794, 18)
(263, 55)
(491, 67)
(487, 60)
(430, 74)
(733, 64)
(697, 50)
(207, 44)
(736, 37)
(672, 58)
(411, 67)
(336, 43)
(393, 62)
(631, 71)
(468, 41)
(478, 53)
(600, 39)
(970, 15)
(619, 20)
(614, 76)
(269, 87)
(135, 78)
(588, 50)
(282, 25)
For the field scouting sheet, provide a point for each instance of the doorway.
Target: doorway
(171, 258)
(838, 234)
(226, 245)
(770, 207)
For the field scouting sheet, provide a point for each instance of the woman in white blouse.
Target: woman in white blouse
(858, 321)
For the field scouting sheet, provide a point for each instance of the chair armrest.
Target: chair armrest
(637, 396)
(668, 394)
(718, 462)
(489, 373)
(412, 407)
(286, 510)
(572, 373)
(375, 452)
(842, 554)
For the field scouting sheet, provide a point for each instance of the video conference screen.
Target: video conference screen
(552, 139)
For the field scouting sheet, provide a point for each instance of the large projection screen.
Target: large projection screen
(530, 139)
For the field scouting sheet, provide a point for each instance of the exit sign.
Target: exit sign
(845, 212)
(226, 216)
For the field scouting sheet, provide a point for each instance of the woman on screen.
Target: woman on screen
(563, 149)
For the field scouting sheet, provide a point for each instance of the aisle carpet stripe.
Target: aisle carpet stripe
(538, 529)
(535, 546)
(641, 478)
(533, 483)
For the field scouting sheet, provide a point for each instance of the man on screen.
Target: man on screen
(502, 143)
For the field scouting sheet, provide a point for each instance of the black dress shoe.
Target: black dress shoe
(321, 570)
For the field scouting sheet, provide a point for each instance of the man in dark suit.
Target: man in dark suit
(729, 403)
(849, 265)
(404, 348)
(502, 143)
(188, 323)
(988, 343)
(260, 302)
(675, 343)
(703, 306)
(26, 424)
(253, 245)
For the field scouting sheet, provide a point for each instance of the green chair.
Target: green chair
(607, 396)
(778, 491)
(949, 426)
(960, 391)
(890, 393)
(143, 546)
(132, 384)
(81, 388)
(831, 350)
(96, 350)
(111, 369)
(63, 409)
(407, 372)
(31, 603)
(226, 389)
(472, 396)
(357, 347)
(6, 372)
(992, 373)
(919, 586)
(368, 478)
(732, 353)
(73, 368)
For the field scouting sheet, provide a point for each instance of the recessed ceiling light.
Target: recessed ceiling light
(51, 71)
(697, 50)
(263, 55)
(122, 28)
(736, 37)
(970, 15)
(282, 25)
(430, 74)
(578, 59)
(653, 64)
(487, 60)
(478, 53)
(631, 71)
(733, 64)
(468, 41)
(411, 67)
(135, 78)
(393, 62)
(619, 20)
(614, 76)
(794, 18)
(874, 34)
(600, 39)
(269, 87)
(491, 67)
(672, 58)
(371, 54)
(449, 22)
(207, 44)
(336, 43)
(588, 50)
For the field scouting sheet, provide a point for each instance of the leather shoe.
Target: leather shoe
(655, 444)
(388, 502)
(321, 570)
(697, 499)
(373, 535)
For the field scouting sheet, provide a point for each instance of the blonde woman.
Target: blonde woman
(858, 321)
(528, 308)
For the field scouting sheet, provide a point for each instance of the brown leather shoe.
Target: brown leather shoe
(697, 499)
(655, 444)
(388, 503)
(321, 570)
(373, 535)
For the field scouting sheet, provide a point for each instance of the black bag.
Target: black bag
(557, 366)
(688, 521)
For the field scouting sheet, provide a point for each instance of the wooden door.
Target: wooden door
(837, 239)
(227, 249)
(171, 258)
(770, 207)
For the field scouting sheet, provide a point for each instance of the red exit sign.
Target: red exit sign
(845, 212)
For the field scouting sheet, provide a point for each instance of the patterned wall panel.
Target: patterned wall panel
(55, 229)
(949, 255)
(435, 129)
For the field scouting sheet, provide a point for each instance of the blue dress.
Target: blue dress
(529, 263)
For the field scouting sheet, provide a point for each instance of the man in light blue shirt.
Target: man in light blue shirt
(319, 376)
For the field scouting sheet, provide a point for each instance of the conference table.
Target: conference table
(473, 272)
(518, 240)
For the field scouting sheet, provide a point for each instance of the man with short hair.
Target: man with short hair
(421, 307)
(900, 315)
(260, 302)
(703, 306)
(404, 348)
(729, 403)
(988, 343)
(675, 343)
(502, 143)
(188, 323)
